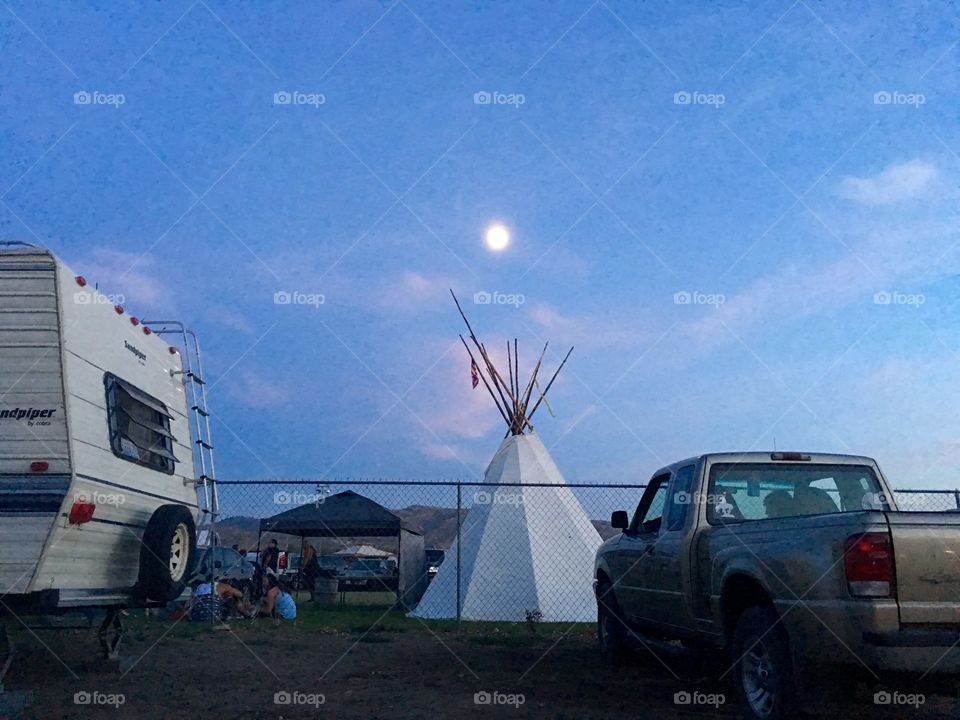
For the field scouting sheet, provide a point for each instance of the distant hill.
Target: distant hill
(438, 525)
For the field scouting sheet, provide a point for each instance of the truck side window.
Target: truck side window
(139, 426)
(680, 498)
(650, 510)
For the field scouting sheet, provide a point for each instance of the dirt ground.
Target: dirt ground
(337, 667)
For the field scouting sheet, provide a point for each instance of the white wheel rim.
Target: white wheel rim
(179, 551)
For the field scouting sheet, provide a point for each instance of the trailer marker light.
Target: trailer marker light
(81, 512)
(134, 321)
(81, 281)
(39, 466)
(173, 350)
(119, 309)
(146, 330)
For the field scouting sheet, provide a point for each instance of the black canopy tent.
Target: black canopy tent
(349, 515)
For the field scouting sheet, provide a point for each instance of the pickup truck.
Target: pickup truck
(789, 564)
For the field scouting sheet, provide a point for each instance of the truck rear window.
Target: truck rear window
(761, 491)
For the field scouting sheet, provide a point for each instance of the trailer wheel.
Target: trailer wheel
(167, 553)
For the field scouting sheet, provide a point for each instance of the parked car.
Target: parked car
(228, 566)
(368, 574)
(792, 564)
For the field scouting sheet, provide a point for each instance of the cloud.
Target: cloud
(132, 275)
(588, 330)
(896, 182)
(413, 292)
(230, 319)
(255, 390)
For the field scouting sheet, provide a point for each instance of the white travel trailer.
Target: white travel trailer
(100, 498)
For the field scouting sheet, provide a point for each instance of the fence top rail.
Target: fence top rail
(481, 483)
(429, 483)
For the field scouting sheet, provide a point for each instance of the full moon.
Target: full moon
(497, 237)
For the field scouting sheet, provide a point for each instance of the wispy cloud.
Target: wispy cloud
(256, 389)
(142, 289)
(896, 182)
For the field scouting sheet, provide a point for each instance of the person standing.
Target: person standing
(270, 557)
(309, 567)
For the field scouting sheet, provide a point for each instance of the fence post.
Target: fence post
(956, 497)
(459, 522)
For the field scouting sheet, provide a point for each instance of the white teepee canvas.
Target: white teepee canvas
(523, 548)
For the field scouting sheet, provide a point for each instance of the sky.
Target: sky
(743, 216)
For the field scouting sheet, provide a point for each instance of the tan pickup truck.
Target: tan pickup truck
(790, 563)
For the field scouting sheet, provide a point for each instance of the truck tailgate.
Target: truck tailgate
(926, 549)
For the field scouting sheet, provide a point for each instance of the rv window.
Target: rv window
(139, 426)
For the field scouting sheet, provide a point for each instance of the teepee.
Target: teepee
(526, 548)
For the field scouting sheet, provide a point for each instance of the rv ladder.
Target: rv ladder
(205, 482)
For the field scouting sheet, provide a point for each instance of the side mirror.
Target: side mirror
(619, 520)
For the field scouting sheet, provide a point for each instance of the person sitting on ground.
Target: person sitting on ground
(219, 600)
(277, 603)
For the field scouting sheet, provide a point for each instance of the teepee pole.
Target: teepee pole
(525, 402)
(485, 384)
(547, 388)
(494, 374)
(513, 392)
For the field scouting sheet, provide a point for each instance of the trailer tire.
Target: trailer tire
(167, 553)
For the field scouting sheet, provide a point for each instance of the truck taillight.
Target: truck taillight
(39, 466)
(868, 562)
(81, 512)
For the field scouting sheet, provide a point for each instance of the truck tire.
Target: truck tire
(763, 673)
(612, 632)
(167, 553)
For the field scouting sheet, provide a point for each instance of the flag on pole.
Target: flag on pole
(474, 374)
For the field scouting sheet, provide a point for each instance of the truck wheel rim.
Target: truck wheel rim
(759, 678)
(178, 552)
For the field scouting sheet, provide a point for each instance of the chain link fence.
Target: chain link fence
(517, 553)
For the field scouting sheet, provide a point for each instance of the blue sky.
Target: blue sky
(791, 169)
